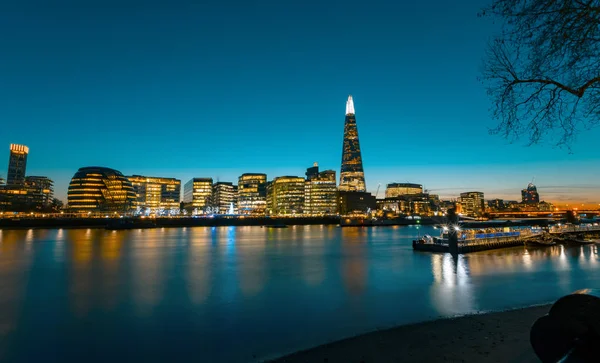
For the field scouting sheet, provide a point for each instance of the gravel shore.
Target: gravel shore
(490, 337)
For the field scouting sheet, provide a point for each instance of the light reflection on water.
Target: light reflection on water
(191, 291)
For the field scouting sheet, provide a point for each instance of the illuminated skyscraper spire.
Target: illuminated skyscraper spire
(350, 106)
(352, 176)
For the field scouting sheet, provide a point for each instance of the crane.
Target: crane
(377, 192)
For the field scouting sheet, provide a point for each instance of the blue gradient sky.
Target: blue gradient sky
(221, 88)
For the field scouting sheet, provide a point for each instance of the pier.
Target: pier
(471, 241)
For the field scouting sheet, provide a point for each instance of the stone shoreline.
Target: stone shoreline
(490, 337)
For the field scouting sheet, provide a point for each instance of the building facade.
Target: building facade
(252, 194)
(155, 193)
(17, 165)
(352, 176)
(285, 196)
(530, 194)
(100, 189)
(409, 204)
(320, 192)
(393, 190)
(355, 202)
(23, 193)
(197, 195)
(225, 198)
(472, 204)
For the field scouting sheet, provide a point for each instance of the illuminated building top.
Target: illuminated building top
(21, 149)
(350, 106)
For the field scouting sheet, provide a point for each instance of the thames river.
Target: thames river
(243, 294)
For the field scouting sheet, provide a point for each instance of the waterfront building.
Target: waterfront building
(39, 191)
(396, 189)
(155, 193)
(530, 194)
(472, 204)
(252, 194)
(352, 176)
(496, 204)
(355, 202)
(421, 203)
(285, 196)
(197, 195)
(224, 197)
(17, 165)
(100, 189)
(320, 192)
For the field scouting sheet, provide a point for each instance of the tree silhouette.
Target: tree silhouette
(543, 71)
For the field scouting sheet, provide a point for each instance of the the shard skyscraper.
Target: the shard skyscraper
(352, 176)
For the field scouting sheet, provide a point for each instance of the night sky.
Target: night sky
(181, 89)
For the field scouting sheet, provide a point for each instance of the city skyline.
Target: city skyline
(267, 98)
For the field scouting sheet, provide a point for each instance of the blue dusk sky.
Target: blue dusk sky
(218, 88)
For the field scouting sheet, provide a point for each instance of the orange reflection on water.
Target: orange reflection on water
(199, 271)
(354, 259)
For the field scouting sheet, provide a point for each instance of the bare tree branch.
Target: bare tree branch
(543, 71)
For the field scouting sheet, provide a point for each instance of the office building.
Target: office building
(396, 189)
(225, 198)
(252, 194)
(472, 204)
(17, 165)
(530, 194)
(155, 193)
(320, 192)
(40, 191)
(356, 202)
(409, 204)
(285, 196)
(352, 176)
(197, 195)
(100, 189)
(496, 204)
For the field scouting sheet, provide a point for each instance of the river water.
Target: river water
(243, 294)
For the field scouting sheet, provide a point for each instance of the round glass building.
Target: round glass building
(99, 189)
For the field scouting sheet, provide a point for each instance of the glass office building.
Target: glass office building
(352, 176)
(252, 194)
(17, 164)
(285, 196)
(320, 192)
(197, 195)
(156, 192)
(225, 198)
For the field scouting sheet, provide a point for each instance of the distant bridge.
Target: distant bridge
(554, 214)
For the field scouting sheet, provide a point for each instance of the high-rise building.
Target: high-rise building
(17, 164)
(155, 193)
(472, 204)
(530, 195)
(352, 176)
(252, 194)
(225, 198)
(197, 194)
(99, 189)
(40, 191)
(320, 192)
(285, 196)
(396, 189)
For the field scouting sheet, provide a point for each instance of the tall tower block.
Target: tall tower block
(352, 176)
